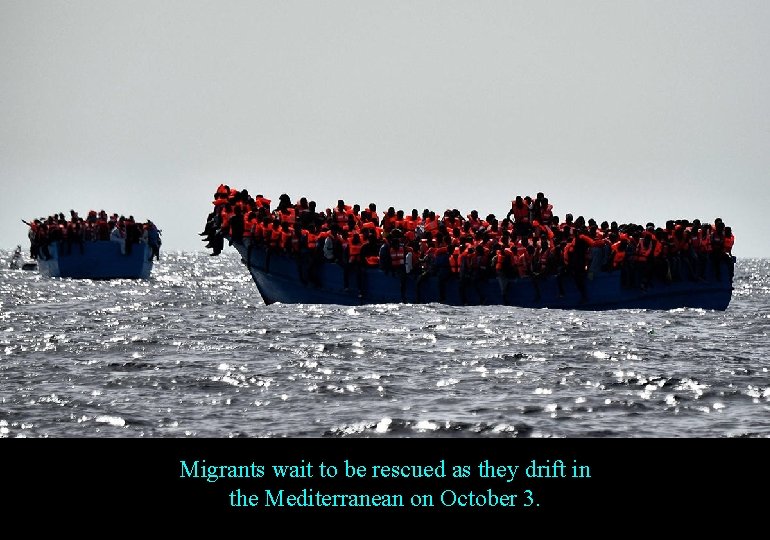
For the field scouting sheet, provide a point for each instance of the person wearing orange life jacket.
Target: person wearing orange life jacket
(660, 253)
(275, 236)
(717, 248)
(599, 252)
(520, 212)
(412, 221)
(285, 242)
(465, 270)
(224, 219)
(700, 238)
(389, 220)
(504, 270)
(522, 260)
(355, 264)
(373, 214)
(340, 213)
(430, 224)
(131, 233)
(729, 240)
(645, 256)
(575, 257)
(619, 251)
(250, 223)
(75, 235)
(287, 215)
(540, 253)
(301, 206)
(262, 202)
(397, 254)
(474, 220)
(454, 261)
(296, 244)
(250, 240)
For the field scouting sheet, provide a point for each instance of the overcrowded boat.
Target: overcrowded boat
(96, 247)
(352, 255)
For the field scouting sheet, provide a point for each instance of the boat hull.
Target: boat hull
(277, 277)
(99, 260)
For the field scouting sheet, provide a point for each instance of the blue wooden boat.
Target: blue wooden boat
(277, 277)
(99, 260)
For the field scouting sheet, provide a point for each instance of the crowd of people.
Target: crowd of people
(96, 226)
(530, 241)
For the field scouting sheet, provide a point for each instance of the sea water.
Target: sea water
(193, 352)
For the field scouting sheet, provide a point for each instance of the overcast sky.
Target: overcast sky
(625, 110)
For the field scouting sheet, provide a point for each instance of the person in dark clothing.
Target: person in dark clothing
(236, 226)
(576, 262)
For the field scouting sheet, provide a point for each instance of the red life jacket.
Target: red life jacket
(397, 257)
(354, 251)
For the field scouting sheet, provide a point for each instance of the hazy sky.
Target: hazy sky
(625, 110)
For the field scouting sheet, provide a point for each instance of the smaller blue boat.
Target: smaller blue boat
(99, 260)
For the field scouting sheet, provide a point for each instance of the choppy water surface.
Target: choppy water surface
(194, 352)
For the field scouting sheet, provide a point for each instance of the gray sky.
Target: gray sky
(624, 110)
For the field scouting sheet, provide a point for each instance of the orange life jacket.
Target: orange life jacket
(397, 257)
(644, 253)
(354, 251)
(275, 236)
(618, 255)
(311, 240)
(454, 262)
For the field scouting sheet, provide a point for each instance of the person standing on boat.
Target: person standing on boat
(118, 236)
(42, 240)
(132, 233)
(717, 242)
(152, 237)
(576, 258)
(75, 232)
